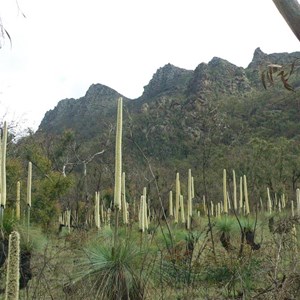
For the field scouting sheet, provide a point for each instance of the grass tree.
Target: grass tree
(189, 200)
(234, 191)
(225, 198)
(247, 207)
(145, 206)
(141, 214)
(171, 210)
(224, 226)
(298, 201)
(18, 203)
(97, 210)
(106, 274)
(3, 143)
(111, 267)
(269, 201)
(118, 167)
(294, 230)
(13, 267)
(29, 183)
(182, 214)
(143, 219)
(123, 200)
(241, 196)
(177, 199)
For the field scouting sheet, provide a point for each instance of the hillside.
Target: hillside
(169, 87)
(216, 116)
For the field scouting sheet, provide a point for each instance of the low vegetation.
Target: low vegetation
(233, 239)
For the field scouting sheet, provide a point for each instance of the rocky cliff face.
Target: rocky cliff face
(167, 79)
(261, 59)
(218, 77)
(78, 114)
(170, 90)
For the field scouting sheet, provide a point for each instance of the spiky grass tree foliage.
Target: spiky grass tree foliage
(178, 266)
(106, 274)
(248, 227)
(13, 267)
(225, 226)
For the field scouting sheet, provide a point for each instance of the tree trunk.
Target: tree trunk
(290, 10)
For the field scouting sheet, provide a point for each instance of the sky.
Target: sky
(61, 47)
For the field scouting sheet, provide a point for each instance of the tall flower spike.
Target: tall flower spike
(146, 221)
(177, 197)
(241, 195)
(123, 196)
(18, 209)
(298, 201)
(29, 180)
(142, 214)
(234, 191)
(3, 166)
(225, 203)
(182, 209)
(118, 156)
(193, 187)
(247, 207)
(189, 199)
(0, 170)
(170, 203)
(190, 193)
(13, 267)
(269, 201)
(97, 210)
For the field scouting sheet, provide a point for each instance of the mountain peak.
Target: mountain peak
(258, 57)
(261, 59)
(217, 77)
(166, 78)
(258, 53)
(100, 90)
(218, 62)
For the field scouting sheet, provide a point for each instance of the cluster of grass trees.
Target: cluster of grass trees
(133, 244)
(235, 238)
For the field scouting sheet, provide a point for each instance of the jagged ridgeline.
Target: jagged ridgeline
(216, 116)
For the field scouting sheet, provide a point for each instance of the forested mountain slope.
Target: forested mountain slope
(216, 116)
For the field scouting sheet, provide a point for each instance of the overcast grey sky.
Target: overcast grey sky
(64, 46)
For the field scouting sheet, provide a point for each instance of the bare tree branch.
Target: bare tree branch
(290, 10)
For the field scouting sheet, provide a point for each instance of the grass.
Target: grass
(160, 264)
(107, 272)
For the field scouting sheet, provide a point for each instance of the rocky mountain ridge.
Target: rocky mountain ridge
(169, 87)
